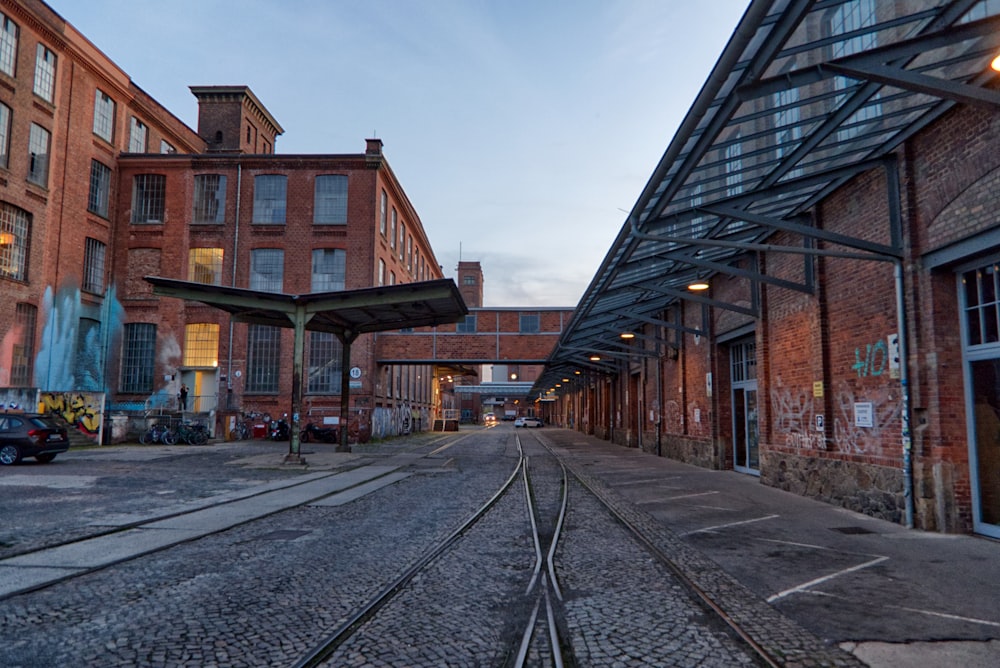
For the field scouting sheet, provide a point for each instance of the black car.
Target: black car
(30, 435)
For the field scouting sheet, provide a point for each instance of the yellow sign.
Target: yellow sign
(818, 388)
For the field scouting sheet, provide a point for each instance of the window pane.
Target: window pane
(104, 115)
(209, 198)
(136, 136)
(205, 265)
(15, 230)
(467, 326)
(263, 356)
(88, 365)
(93, 266)
(269, 198)
(100, 189)
(529, 323)
(330, 200)
(8, 45)
(24, 345)
(325, 353)
(38, 155)
(138, 358)
(329, 268)
(4, 135)
(267, 269)
(201, 345)
(45, 72)
(148, 198)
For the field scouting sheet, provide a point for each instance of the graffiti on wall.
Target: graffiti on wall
(873, 362)
(886, 410)
(396, 421)
(82, 410)
(18, 399)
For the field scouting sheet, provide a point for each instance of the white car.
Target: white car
(527, 422)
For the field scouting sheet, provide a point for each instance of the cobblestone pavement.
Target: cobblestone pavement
(265, 592)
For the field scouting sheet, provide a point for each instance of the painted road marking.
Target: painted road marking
(826, 578)
(715, 528)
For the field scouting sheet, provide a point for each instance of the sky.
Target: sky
(522, 131)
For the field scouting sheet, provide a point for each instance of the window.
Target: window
(381, 272)
(100, 188)
(136, 136)
(402, 238)
(167, 147)
(15, 230)
(4, 135)
(104, 115)
(269, 198)
(93, 266)
(209, 198)
(853, 17)
(734, 166)
(263, 358)
(384, 203)
(201, 344)
(138, 358)
(38, 155)
(8, 45)
(325, 354)
(392, 230)
(45, 72)
(148, 191)
(392, 278)
(468, 279)
(981, 288)
(467, 326)
(87, 365)
(409, 253)
(23, 353)
(205, 265)
(267, 269)
(329, 269)
(330, 200)
(529, 323)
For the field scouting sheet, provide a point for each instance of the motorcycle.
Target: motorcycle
(279, 430)
(314, 433)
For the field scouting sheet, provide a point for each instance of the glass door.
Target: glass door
(746, 435)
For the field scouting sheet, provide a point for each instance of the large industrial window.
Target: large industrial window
(136, 136)
(209, 198)
(851, 19)
(23, 350)
(381, 272)
(743, 362)
(734, 166)
(138, 358)
(8, 45)
(201, 344)
(269, 198)
(104, 115)
(38, 155)
(267, 269)
(15, 230)
(263, 358)
(529, 323)
(45, 72)
(330, 200)
(329, 269)
(383, 204)
(4, 135)
(325, 352)
(148, 196)
(93, 266)
(402, 236)
(89, 356)
(205, 265)
(392, 229)
(982, 304)
(100, 189)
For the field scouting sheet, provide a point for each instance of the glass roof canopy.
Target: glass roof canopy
(806, 94)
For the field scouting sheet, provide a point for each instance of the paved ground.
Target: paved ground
(891, 596)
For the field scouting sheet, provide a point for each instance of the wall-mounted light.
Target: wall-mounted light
(698, 286)
(996, 64)
(565, 380)
(595, 358)
(627, 335)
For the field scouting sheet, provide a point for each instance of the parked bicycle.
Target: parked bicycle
(192, 433)
(158, 433)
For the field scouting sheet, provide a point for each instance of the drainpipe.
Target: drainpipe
(904, 381)
(232, 284)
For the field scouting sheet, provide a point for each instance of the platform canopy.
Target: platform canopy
(346, 313)
(806, 95)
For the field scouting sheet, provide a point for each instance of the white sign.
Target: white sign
(864, 415)
(355, 372)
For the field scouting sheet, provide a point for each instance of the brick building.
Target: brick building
(101, 186)
(833, 190)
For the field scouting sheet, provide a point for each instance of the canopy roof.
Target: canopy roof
(806, 94)
(346, 313)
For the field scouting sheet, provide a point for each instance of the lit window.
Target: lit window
(100, 188)
(269, 198)
(8, 45)
(330, 200)
(209, 198)
(263, 358)
(23, 353)
(329, 268)
(93, 266)
(136, 136)
(4, 135)
(201, 345)
(38, 155)
(138, 358)
(148, 192)
(15, 228)
(205, 265)
(267, 269)
(325, 354)
(104, 115)
(45, 72)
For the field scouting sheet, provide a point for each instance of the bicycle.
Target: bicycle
(158, 433)
(192, 433)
